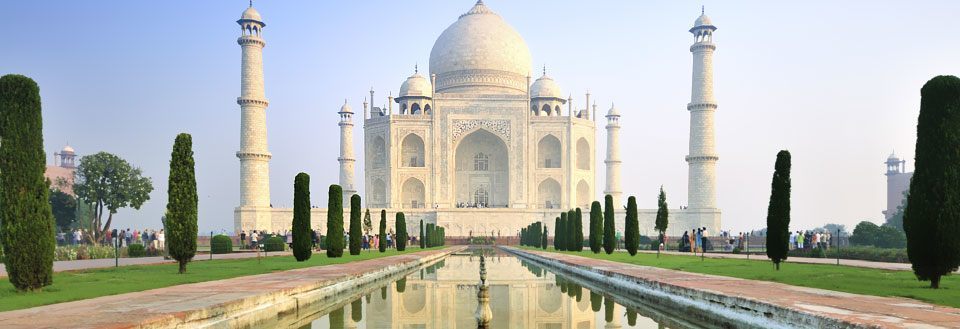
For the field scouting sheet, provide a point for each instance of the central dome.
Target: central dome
(480, 52)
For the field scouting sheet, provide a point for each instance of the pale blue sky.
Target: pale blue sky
(835, 82)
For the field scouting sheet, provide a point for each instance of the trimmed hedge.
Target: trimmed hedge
(136, 250)
(221, 244)
(889, 255)
(274, 243)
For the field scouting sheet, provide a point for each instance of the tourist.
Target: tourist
(698, 240)
(77, 236)
(243, 238)
(800, 238)
(254, 237)
(160, 240)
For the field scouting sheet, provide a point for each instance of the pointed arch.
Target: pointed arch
(583, 194)
(412, 151)
(379, 153)
(548, 152)
(545, 110)
(412, 193)
(426, 109)
(378, 193)
(583, 154)
(415, 108)
(482, 169)
(549, 194)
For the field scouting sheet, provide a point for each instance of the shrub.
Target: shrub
(221, 244)
(274, 243)
(889, 255)
(136, 250)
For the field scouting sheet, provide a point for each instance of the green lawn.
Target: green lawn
(70, 286)
(850, 279)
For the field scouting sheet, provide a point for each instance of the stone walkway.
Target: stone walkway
(832, 261)
(861, 310)
(74, 265)
(214, 303)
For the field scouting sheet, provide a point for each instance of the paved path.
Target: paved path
(191, 305)
(847, 262)
(881, 312)
(74, 265)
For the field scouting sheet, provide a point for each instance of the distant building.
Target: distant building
(64, 164)
(898, 181)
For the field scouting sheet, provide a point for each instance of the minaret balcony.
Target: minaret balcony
(252, 101)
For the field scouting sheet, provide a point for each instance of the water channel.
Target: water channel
(444, 295)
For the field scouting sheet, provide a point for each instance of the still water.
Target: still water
(522, 295)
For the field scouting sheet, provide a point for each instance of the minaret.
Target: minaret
(346, 158)
(253, 154)
(613, 156)
(702, 159)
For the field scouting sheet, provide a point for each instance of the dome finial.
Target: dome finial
(703, 10)
(416, 68)
(544, 69)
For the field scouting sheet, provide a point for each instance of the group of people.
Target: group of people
(810, 240)
(693, 240)
(125, 237)
(472, 205)
(368, 241)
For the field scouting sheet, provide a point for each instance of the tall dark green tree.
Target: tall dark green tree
(556, 234)
(382, 245)
(181, 223)
(27, 220)
(423, 242)
(302, 234)
(596, 227)
(569, 240)
(609, 227)
(578, 230)
(932, 217)
(778, 212)
(356, 227)
(563, 233)
(663, 215)
(631, 236)
(334, 239)
(543, 238)
(401, 237)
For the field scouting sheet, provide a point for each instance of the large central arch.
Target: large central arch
(482, 170)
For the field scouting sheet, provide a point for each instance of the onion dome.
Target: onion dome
(545, 87)
(416, 86)
(346, 107)
(67, 149)
(251, 14)
(613, 111)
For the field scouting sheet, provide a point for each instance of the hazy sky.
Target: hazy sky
(835, 82)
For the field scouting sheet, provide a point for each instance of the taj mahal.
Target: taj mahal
(476, 144)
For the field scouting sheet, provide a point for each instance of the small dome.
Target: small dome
(67, 149)
(346, 107)
(545, 87)
(703, 20)
(416, 86)
(251, 14)
(613, 111)
(893, 156)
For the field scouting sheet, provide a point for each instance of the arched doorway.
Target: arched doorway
(412, 154)
(583, 154)
(548, 152)
(583, 195)
(481, 171)
(413, 193)
(378, 193)
(548, 194)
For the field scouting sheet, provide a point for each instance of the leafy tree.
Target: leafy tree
(302, 234)
(181, 217)
(28, 223)
(335, 241)
(865, 234)
(356, 234)
(109, 183)
(422, 238)
(932, 219)
(891, 237)
(401, 237)
(64, 209)
(577, 230)
(609, 228)
(663, 215)
(367, 223)
(632, 227)
(778, 212)
(382, 246)
(596, 227)
(833, 228)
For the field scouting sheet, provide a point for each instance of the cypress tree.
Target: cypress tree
(578, 230)
(429, 235)
(181, 215)
(778, 212)
(356, 228)
(563, 233)
(556, 233)
(27, 219)
(596, 227)
(631, 236)
(543, 238)
(932, 216)
(302, 235)
(609, 229)
(335, 221)
(401, 238)
(382, 246)
(423, 243)
(663, 215)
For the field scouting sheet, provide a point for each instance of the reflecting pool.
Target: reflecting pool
(522, 295)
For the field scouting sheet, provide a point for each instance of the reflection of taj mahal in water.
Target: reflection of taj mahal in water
(475, 145)
(447, 298)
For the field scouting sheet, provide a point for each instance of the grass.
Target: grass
(857, 280)
(77, 285)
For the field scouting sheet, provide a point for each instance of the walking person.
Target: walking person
(243, 239)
